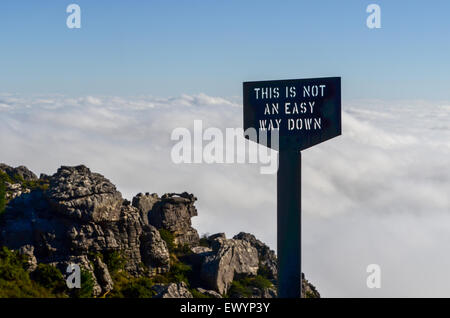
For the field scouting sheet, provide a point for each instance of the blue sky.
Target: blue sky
(167, 48)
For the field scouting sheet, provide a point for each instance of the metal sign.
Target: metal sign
(304, 111)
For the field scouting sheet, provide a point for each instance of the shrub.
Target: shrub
(139, 288)
(243, 287)
(49, 277)
(115, 261)
(196, 294)
(179, 272)
(264, 271)
(169, 238)
(87, 286)
(15, 281)
(238, 289)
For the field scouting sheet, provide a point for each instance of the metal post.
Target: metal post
(289, 224)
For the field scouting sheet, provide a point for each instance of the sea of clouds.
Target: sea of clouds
(380, 193)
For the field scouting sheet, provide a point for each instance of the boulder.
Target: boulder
(172, 290)
(209, 293)
(102, 274)
(144, 203)
(154, 251)
(227, 259)
(173, 212)
(78, 193)
(267, 257)
(20, 171)
(80, 215)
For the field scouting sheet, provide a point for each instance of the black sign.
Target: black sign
(304, 112)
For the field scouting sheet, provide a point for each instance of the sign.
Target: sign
(289, 116)
(305, 112)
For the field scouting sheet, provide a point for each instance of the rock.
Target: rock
(144, 203)
(173, 212)
(154, 250)
(198, 254)
(172, 290)
(28, 250)
(85, 264)
(82, 214)
(14, 190)
(216, 236)
(82, 219)
(267, 257)
(209, 293)
(269, 293)
(102, 274)
(227, 259)
(20, 171)
(308, 289)
(78, 193)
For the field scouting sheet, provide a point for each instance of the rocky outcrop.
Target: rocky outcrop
(209, 293)
(83, 214)
(173, 212)
(267, 257)
(308, 289)
(144, 203)
(227, 259)
(81, 218)
(77, 193)
(154, 250)
(172, 290)
(14, 190)
(103, 276)
(21, 172)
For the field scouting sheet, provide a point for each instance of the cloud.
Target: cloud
(376, 194)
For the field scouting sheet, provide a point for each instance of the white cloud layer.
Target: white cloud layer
(377, 194)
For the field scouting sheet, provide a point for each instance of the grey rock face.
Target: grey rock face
(227, 259)
(173, 212)
(102, 275)
(14, 190)
(82, 214)
(20, 171)
(172, 290)
(77, 192)
(28, 250)
(154, 250)
(144, 203)
(266, 256)
(308, 289)
(209, 293)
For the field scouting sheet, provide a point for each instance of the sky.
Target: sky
(167, 48)
(109, 95)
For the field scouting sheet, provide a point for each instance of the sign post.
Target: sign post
(290, 116)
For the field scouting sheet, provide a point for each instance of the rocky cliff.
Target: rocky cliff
(143, 248)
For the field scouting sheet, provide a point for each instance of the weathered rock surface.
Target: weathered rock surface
(172, 290)
(227, 259)
(173, 212)
(14, 190)
(20, 171)
(154, 250)
(266, 256)
(102, 274)
(82, 214)
(85, 196)
(308, 289)
(145, 203)
(208, 292)
(81, 218)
